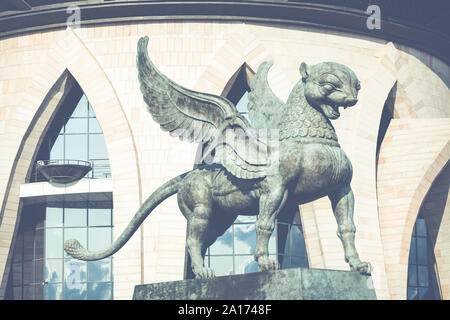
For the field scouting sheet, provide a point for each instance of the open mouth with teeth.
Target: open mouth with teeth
(332, 111)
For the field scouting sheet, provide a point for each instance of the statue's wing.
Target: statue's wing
(202, 117)
(263, 105)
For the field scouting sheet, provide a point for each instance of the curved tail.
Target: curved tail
(76, 250)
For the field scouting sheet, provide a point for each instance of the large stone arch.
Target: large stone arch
(69, 56)
(411, 156)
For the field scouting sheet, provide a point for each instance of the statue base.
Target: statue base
(288, 284)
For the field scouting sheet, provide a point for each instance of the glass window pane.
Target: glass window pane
(245, 219)
(99, 217)
(53, 291)
(28, 272)
(57, 150)
(298, 247)
(54, 216)
(28, 248)
(421, 228)
(38, 271)
(79, 234)
(74, 273)
(273, 242)
(222, 266)
(99, 270)
(299, 262)
(18, 249)
(241, 106)
(97, 147)
(53, 270)
(223, 244)
(423, 275)
(422, 252)
(244, 238)
(39, 244)
(38, 291)
(245, 264)
(75, 291)
(91, 111)
(75, 217)
(283, 240)
(413, 293)
(53, 243)
(81, 110)
(100, 291)
(99, 238)
(412, 275)
(94, 126)
(423, 294)
(76, 147)
(77, 125)
(412, 252)
(28, 292)
(17, 274)
(17, 292)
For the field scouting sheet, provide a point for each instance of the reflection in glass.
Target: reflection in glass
(18, 250)
(57, 151)
(81, 110)
(74, 272)
(97, 147)
(223, 244)
(75, 291)
(75, 217)
(53, 243)
(245, 264)
(39, 244)
(53, 291)
(94, 126)
(76, 126)
(38, 271)
(99, 217)
(99, 238)
(28, 248)
(53, 270)
(244, 238)
(100, 291)
(17, 274)
(28, 292)
(76, 147)
(222, 265)
(99, 270)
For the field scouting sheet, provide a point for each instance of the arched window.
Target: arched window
(422, 277)
(232, 253)
(40, 267)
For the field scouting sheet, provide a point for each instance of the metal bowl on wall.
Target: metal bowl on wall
(63, 171)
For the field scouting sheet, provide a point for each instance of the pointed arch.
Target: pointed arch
(70, 59)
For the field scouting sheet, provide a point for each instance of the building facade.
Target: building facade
(72, 94)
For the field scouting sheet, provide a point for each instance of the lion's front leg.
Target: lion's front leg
(343, 205)
(270, 204)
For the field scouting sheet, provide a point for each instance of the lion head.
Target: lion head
(328, 86)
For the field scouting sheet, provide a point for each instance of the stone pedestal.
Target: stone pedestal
(289, 284)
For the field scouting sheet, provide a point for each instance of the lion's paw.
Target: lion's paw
(203, 273)
(362, 267)
(266, 264)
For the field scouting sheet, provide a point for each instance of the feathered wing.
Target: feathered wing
(263, 105)
(202, 117)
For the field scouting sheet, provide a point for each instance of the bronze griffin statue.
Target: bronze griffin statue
(301, 159)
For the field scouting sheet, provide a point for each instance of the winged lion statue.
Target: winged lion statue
(299, 161)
